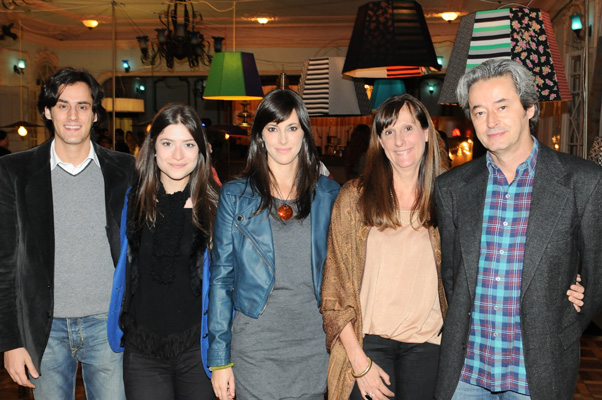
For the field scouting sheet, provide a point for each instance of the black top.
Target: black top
(165, 314)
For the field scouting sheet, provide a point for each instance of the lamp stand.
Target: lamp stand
(245, 115)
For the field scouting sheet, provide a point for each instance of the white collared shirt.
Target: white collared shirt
(70, 168)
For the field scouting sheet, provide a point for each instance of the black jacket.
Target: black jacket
(27, 241)
(563, 236)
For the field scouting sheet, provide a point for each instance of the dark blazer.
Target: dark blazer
(27, 241)
(564, 236)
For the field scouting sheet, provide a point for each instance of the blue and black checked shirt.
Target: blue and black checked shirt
(494, 355)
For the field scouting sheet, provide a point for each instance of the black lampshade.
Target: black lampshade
(390, 39)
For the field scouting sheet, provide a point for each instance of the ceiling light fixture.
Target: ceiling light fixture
(449, 16)
(90, 23)
(178, 39)
(261, 18)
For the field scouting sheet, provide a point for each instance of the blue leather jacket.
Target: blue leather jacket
(242, 267)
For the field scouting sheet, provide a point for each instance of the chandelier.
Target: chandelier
(178, 39)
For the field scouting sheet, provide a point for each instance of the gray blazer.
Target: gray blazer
(564, 237)
(27, 241)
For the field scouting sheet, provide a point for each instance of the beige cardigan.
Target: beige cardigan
(342, 278)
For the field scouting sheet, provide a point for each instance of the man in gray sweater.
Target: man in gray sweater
(60, 205)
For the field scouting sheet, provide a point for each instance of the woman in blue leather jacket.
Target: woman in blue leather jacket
(167, 221)
(269, 249)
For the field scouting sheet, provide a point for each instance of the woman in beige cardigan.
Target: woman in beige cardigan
(383, 303)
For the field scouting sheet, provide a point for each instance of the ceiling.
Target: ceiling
(298, 23)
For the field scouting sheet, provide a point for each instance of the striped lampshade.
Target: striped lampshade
(390, 39)
(521, 34)
(326, 91)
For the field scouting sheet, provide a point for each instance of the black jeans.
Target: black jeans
(412, 367)
(148, 378)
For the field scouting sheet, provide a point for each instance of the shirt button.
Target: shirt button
(495, 308)
(501, 251)
(495, 334)
(497, 278)
(505, 223)
(507, 196)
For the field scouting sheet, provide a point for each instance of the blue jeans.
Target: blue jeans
(84, 340)
(467, 391)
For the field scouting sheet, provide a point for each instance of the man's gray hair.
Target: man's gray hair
(498, 67)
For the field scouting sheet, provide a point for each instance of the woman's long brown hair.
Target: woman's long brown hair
(376, 204)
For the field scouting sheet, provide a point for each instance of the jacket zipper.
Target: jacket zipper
(266, 263)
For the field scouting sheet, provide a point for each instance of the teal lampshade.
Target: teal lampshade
(385, 88)
(233, 76)
(576, 24)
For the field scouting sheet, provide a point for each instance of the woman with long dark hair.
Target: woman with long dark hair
(167, 226)
(269, 250)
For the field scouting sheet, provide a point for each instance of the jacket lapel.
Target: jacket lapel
(256, 228)
(547, 201)
(38, 199)
(470, 200)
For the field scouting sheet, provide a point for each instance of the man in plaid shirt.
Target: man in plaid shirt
(516, 228)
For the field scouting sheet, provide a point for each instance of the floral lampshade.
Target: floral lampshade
(521, 34)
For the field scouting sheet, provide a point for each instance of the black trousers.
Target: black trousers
(412, 367)
(182, 378)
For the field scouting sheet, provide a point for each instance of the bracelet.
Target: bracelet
(217, 368)
(365, 371)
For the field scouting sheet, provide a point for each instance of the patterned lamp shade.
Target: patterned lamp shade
(326, 91)
(390, 39)
(521, 34)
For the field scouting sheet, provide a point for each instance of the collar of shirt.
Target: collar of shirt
(70, 168)
(527, 166)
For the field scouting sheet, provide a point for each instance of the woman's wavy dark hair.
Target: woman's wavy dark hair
(203, 189)
(276, 107)
(377, 205)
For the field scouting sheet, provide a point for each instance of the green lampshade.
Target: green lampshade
(233, 76)
(385, 88)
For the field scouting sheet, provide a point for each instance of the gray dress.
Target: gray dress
(282, 354)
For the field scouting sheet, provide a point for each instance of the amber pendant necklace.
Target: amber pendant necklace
(285, 212)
